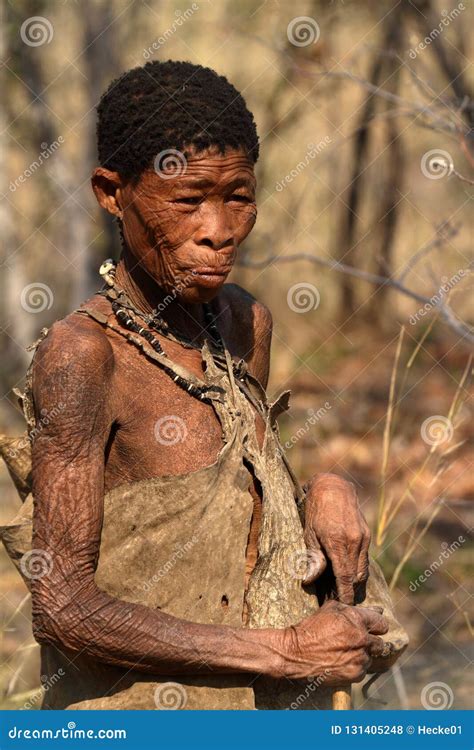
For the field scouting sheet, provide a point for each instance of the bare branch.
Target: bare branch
(444, 232)
(445, 311)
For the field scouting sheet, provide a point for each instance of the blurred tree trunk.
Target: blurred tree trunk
(101, 65)
(347, 239)
(73, 229)
(385, 230)
(449, 58)
(16, 328)
(385, 70)
(392, 167)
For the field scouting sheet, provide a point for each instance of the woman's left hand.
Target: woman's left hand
(336, 530)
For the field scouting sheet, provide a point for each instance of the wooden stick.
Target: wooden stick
(342, 699)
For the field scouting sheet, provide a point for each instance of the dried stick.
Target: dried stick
(342, 699)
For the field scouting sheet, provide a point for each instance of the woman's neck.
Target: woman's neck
(148, 297)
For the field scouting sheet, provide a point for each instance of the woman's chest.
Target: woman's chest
(160, 429)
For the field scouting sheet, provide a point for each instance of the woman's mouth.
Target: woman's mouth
(211, 276)
(212, 271)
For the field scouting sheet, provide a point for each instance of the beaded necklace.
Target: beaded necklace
(124, 309)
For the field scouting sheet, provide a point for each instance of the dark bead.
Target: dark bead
(159, 325)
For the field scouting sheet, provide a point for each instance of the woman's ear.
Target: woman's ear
(107, 187)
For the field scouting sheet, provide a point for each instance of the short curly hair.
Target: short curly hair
(170, 105)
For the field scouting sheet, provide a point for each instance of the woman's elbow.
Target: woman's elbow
(55, 620)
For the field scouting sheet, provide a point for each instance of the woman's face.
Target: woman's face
(184, 220)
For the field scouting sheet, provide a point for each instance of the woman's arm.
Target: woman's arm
(74, 366)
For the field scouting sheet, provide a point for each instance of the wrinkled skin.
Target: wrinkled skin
(181, 233)
(335, 524)
(341, 653)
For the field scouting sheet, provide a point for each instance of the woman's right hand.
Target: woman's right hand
(335, 644)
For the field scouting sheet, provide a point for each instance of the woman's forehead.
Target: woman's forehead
(203, 169)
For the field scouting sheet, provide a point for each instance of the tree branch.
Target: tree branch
(445, 311)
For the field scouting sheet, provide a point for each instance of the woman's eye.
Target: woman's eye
(190, 201)
(240, 198)
(195, 200)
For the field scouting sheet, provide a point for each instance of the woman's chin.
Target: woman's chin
(203, 290)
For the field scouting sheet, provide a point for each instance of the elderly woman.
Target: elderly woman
(174, 528)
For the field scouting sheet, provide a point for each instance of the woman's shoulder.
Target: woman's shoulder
(77, 338)
(245, 308)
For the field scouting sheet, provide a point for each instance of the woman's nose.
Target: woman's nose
(215, 230)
